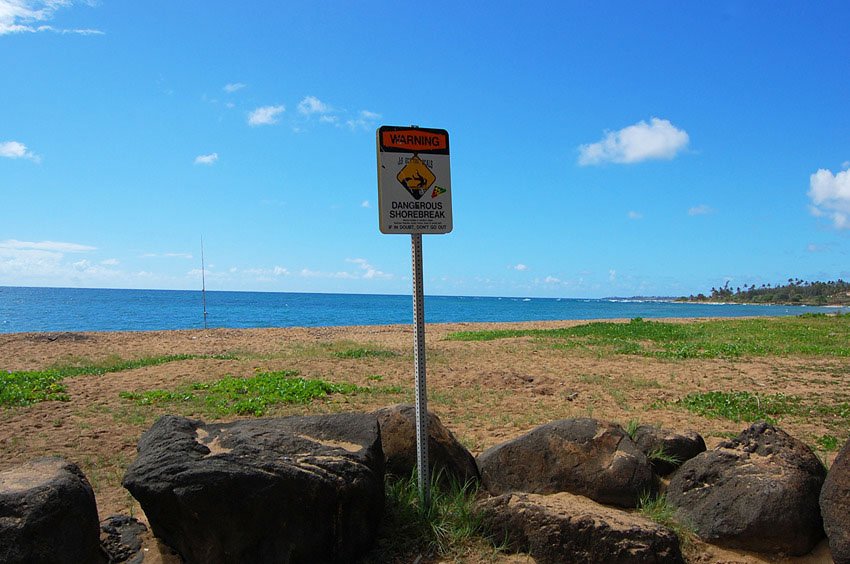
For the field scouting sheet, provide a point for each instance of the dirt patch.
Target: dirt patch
(485, 392)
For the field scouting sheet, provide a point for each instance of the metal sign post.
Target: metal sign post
(414, 196)
(422, 471)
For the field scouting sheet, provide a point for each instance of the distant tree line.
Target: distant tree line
(796, 291)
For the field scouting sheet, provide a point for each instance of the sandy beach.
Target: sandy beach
(485, 391)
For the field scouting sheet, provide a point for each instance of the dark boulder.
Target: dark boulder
(48, 515)
(293, 489)
(568, 528)
(757, 492)
(835, 506)
(581, 456)
(674, 448)
(121, 539)
(446, 456)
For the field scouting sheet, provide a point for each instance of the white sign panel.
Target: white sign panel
(414, 182)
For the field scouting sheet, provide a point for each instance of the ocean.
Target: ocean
(76, 309)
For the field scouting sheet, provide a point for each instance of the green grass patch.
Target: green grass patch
(448, 529)
(117, 364)
(828, 443)
(18, 389)
(364, 352)
(244, 396)
(741, 406)
(631, 428)
(26, 387)
(660, 455)
(656, 508)
(728, 338)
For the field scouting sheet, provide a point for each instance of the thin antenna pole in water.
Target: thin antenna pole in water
(203, 283)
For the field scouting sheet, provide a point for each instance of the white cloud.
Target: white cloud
(551, 280)
(312, 105)
(307, 273)
(521, 267)
(830, 196)
(702, 209)
(232, 87)
(263, 274)
(642, 141)
(21, 16)
(635, 215)
(17, 150)
(206, 159)
(370, 271)
(365, 204)
(612, 275)
(364, 120)
(265, 115)
(51, 246)
(110, 262)
(40, 263)
(187, 256)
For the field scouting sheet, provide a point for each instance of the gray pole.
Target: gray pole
(203, 283)
(419, 361)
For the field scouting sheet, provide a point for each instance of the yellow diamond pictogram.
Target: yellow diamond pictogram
(416, 177)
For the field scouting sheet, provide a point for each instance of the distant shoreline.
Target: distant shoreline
(76, 310)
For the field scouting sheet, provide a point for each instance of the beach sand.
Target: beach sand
(485, 392)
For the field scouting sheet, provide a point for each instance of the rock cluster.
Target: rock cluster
(48, 514)
(294, 489)
(311, 489)
(835, 506)
(758, 492)
(564, 527)
(583, 456)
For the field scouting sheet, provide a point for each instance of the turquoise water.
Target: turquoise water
(74, 309)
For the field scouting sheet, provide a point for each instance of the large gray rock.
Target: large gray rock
(446, 456)
(581, 456)
(757, 492)
(293, 489)
(677, 448)
(835, 506)
(48, 515)
(564, 527)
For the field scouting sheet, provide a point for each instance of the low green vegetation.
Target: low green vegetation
(827, 335)
(660, 455)
(828, 443)
(118, 364)
(26, 387)
(741, 406)
(364, 352)
(632, 427)
(244, 396)
(449, 528)
(656, 508)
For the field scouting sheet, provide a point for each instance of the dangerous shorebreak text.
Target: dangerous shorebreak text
(417, 210)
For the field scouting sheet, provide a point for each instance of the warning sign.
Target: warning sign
(416, 177)
(413, 162)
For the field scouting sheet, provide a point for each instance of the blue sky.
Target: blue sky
(597, 149)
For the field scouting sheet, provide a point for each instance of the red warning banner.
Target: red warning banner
(415, 140)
